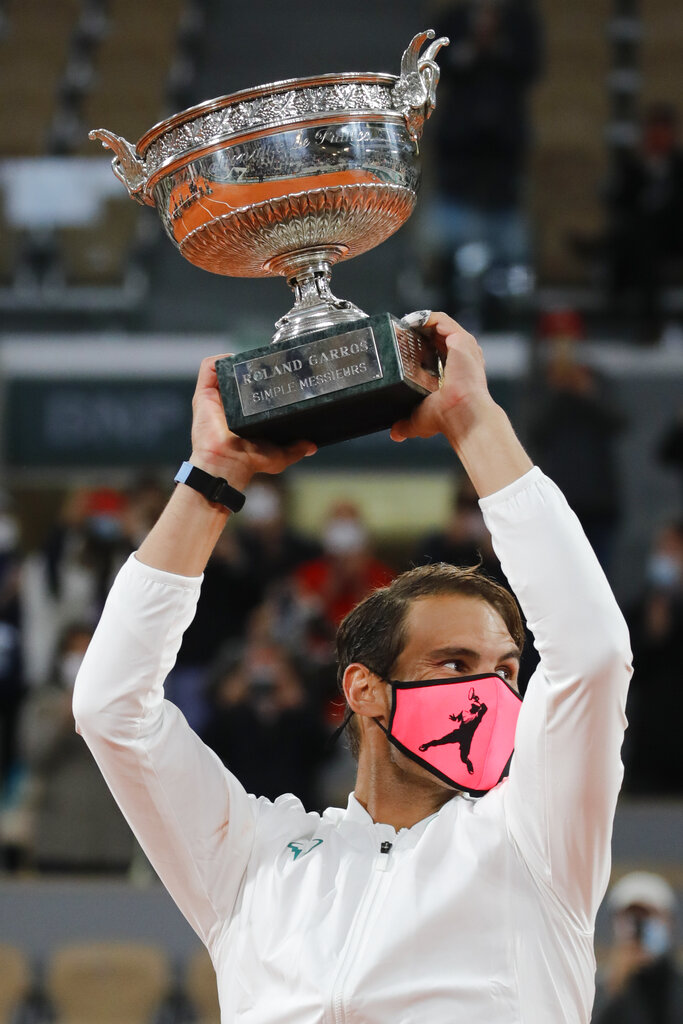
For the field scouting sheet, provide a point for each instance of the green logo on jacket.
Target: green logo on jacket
(300, 847)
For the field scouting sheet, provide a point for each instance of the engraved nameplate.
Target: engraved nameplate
(419, 358)
(306, 371)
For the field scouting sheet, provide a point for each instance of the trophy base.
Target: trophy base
(329, 385)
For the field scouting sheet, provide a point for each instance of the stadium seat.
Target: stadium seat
(33, 53)
(570, 112)
(662, 71)
(132, 67)
(200, 984)
(107, 982)
(14, 980)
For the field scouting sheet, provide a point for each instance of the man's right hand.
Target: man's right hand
(182, 540)
(218, 451)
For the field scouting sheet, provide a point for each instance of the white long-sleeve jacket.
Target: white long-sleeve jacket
(483, 912)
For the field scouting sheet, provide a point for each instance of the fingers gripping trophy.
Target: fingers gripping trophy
(289, 179)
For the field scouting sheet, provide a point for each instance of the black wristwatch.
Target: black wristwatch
(213, 488)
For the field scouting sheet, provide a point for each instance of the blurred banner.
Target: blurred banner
(49, 192)
(124, 401)
(96, 422)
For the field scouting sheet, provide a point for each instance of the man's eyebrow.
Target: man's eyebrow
(514, 654)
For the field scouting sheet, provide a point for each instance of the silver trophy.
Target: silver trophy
(288, 179)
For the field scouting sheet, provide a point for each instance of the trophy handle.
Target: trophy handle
(126, 164)
(414, 93)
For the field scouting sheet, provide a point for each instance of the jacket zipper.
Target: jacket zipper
(357, 930)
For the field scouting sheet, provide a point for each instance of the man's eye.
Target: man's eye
(505, 673)
(457, 666)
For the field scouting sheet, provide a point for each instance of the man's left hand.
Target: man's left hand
(463, 396)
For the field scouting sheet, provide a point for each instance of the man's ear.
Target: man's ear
(365, 692)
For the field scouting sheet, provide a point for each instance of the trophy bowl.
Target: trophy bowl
(288, 179)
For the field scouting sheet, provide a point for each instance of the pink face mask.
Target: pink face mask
(462, 730)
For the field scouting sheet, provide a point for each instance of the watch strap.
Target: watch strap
(213, 488)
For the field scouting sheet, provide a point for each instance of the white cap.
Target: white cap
(642, 889)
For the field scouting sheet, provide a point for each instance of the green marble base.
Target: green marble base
(329, 385)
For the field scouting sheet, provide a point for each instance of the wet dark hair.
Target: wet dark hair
(374, 633)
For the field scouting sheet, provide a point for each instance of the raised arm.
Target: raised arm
(186, 533)
(191, 816)
(566, 771)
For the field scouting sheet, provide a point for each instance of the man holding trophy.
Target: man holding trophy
(451, 887)
(419, 901)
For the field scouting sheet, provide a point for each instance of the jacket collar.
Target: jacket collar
(355, 812)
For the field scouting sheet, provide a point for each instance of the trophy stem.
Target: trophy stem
(315, 308)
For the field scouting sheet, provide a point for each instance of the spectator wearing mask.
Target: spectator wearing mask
(77, 826)
(652, 748)
(248, 563)
(271, 547)
(263, 725)
(229, 594)
(642, 984)
(245, 572)
(347, 570)
(69, 578)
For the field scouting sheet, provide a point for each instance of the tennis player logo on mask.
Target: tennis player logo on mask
(461, 729)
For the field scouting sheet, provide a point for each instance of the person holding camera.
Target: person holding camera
(642, 984)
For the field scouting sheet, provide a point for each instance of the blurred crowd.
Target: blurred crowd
(477, 253)
(477, 245)
(639, 251)
(255, 675)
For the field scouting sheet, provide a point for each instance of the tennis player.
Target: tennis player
(462, 880)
